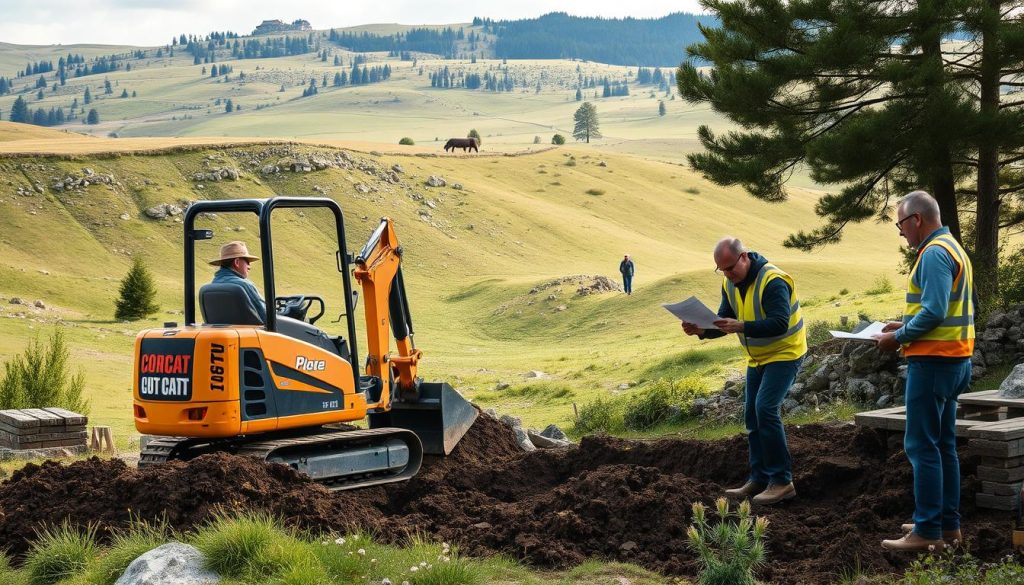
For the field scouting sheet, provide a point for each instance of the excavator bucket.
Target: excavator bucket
(439, 418)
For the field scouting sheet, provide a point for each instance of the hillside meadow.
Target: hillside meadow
(472, 257)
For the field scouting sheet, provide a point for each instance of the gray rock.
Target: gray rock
(865, 358)
(860, 390)
(397, 168)
(884, 401)
(16, 301)
(457, 186)
(542, 442)
(436, 181)
(39, 304)
(789, 404)
(501, 386)
(171, 564)
(797, 390)
(163, 211)
(491, 413)
(523, 439)
(699, 406)
(512, 421)
(553, 432)
(993, 334)
(1013, 385)
(627, 546)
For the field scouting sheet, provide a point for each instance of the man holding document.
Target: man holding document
(760, 305)
(937, 336)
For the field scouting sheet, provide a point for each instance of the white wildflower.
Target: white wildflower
(361, 551)
(339, 541)
(385, 581)
(423, 563)
(413, 569)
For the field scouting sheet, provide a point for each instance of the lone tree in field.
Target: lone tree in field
(93, 118)
(135, 297)
(874, 98)
(19, 111)
(41, 377)
(661, 108)
(586, 123)
(474, 134)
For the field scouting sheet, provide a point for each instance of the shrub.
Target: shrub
(536, 139)
(595, 192)
(60, 552)
(474, 134)
(960, 568)
(692, 190)
(818, 331)
(406, 141)
(844, 291)
(662, 402)
(882, 286)
(600, 416)
(135, 297)
(1011, 279)
(40, 377)
(558, 139)
(730, 551)
(231, 545)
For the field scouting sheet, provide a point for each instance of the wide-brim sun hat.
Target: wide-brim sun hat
(232, 250)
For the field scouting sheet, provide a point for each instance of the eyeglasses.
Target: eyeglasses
(899, 224)
(730, 268)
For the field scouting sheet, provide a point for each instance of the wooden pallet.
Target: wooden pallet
(994, 429)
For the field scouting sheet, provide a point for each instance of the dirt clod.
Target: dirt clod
(608, 498)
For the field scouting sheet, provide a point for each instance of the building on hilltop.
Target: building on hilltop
(276, 26)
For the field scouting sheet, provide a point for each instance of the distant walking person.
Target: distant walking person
(627, 269)
(760, 305)
(937, 335)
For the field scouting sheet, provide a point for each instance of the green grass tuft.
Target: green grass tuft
(59, 553)
(126, 546)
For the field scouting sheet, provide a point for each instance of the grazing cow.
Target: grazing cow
(463, 143)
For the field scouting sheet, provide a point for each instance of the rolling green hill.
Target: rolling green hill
(473, 256)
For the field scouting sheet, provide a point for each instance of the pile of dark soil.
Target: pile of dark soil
(609, 498)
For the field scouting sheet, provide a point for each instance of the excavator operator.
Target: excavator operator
(234, 264)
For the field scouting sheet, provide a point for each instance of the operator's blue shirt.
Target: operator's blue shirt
(227, 275)
(935, 272)
(775, 301)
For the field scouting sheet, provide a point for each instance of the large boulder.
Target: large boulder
(171, 564)
(1013, 385)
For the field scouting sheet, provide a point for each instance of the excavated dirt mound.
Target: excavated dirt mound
(609, 498)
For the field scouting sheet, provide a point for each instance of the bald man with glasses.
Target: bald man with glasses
(759, 304)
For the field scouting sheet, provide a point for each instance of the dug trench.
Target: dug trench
(606, 498)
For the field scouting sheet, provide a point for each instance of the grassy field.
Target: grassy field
(472, 257)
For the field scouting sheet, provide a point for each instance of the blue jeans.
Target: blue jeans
(767, 387)
(930, 442)
(627, 283)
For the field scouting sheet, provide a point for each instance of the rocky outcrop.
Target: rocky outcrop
(171, 564)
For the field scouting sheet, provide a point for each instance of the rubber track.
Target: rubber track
(163, 449)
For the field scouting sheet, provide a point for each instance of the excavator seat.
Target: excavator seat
(225, 303)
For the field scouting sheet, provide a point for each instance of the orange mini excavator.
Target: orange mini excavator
(278, 389)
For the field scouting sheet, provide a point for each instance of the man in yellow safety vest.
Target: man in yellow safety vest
(937, 336)
(759, 304)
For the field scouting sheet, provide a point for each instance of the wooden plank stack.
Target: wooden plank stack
(994, 430)
(41, 428)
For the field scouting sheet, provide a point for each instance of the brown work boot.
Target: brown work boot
(747, 490)
(951, 537)
(913, 542)
(775, 494)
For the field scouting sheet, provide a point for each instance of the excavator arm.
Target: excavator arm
(379, 272)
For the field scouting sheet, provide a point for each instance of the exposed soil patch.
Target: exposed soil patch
(609, 498)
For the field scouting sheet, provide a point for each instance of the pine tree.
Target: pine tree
(893, 111)
(586, 123)
(87, 98)
(19, 111)
(93, 118)
(579, 95)
(229, 106)
(107, 88)
(661, 108)
(135, 297)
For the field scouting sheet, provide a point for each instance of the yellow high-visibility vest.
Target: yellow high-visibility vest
(764, 350)
(954, 337)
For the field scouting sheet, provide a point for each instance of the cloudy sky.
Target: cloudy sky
(154, 22)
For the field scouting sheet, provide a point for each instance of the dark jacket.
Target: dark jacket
(775, 302)
(626, 267)
(227, 275)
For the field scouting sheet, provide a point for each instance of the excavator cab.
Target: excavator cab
(279, 387)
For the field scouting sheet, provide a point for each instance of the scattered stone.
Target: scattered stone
(535, 374)
(1013, 385)
(163, 211)
(457, 186)
(512, 421)
(602, 164)
(39, 304)
(501, 386)
(436, 181)
(541, 442)
(397, 168)
(174, 563)
(523, 438)
(16, 301)
(125, 216)
(627, 546)
(553, 432)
